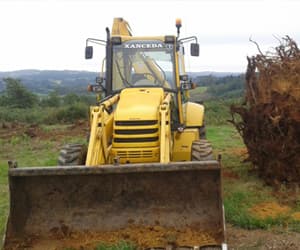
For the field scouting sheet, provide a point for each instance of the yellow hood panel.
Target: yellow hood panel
(139, 104)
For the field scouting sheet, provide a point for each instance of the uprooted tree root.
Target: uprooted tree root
(269, 119)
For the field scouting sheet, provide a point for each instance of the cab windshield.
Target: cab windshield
(143, 63)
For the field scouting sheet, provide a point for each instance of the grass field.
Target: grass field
(244, 193)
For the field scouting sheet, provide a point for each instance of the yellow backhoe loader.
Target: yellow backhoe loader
(147, 174)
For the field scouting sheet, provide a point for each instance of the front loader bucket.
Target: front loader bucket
(151, 205)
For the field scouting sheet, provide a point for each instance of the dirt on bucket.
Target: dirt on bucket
(141, 236)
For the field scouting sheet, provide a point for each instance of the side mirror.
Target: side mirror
(88, 52)
(195, 49)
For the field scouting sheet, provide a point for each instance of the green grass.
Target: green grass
(218, 111)
(223, 137)
(31, 152)
(198, 90)
(122, 245)
(48, 128)
(239, 198)
(246, 190)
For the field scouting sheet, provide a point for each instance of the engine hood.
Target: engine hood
(139, 104)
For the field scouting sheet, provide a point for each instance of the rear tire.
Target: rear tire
(201, 151)
(72, 154)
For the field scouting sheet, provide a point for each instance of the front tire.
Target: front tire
(201, 151)
(72, 154)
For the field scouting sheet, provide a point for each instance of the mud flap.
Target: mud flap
(151, 205)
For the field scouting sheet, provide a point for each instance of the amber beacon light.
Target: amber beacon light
(178, 26)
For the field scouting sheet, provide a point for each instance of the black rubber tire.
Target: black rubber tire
(201, 151)
(72, 154)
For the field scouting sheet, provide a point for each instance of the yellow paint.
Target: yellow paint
(140, 38)
(165, 130)
(183, 143)
(135, 155)
(121, 27)
(137, 119)
(101, 131)
(179, 97)
(139, 104)
(193, 114)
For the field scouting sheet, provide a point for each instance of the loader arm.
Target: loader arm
(151, 67)
(121, 27)
(101, 128)
(165, 130)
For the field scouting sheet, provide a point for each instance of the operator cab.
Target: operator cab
(143, 63)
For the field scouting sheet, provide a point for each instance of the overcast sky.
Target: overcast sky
(51, 34)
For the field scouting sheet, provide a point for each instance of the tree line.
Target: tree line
(16, 95)
(18, 104)
(227, 86)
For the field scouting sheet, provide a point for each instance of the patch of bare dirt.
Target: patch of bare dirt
(287, 196)
(227, 174)
(296, 216)
(269, 210)
(242, 239)
(9, 130)
(239, 151)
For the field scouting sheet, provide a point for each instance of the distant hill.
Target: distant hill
(66, 81)
(45, 81)
(213, 73)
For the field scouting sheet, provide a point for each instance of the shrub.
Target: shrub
(17, 96)
(68, 113)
